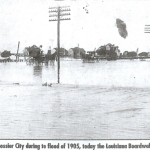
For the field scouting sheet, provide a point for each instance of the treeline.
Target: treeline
(109, 51)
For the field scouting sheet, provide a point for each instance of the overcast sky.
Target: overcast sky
(27, 21)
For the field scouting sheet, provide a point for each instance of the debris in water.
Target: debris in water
(16, 83)
(45, 84)
(50, 85)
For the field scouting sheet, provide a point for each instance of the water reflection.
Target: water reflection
(37, 71)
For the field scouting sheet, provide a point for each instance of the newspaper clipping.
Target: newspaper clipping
(74, 74)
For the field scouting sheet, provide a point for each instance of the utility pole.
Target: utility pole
(57, 13)
(17, 52)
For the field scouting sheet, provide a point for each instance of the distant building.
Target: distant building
(108, 46)
(76, 52)
(63, 52)
(125, 54)
(70, 52)
(117, 51)
(53, 51)
(143, 54)
(109, 50)
(130, 54)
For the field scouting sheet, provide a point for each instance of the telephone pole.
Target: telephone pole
(17, 52)
(57, 14)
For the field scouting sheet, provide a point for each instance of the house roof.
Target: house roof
(90, 51)
(77, 49)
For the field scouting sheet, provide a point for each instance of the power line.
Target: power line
(57, 14)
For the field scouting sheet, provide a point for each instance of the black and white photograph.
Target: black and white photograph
(75, 69)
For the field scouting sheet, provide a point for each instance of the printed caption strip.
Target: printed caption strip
(73, 144)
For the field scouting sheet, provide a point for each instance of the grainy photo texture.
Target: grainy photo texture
(74, 69)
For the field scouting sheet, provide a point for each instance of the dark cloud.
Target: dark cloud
(121, 28)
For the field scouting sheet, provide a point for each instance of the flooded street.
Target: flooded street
(105, 100)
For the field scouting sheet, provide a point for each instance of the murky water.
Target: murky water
(105, 100)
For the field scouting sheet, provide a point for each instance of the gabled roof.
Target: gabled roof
(109, 44)
(77, 49)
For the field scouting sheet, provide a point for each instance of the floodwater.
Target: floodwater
(104, 100)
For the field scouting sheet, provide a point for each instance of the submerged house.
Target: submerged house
(143, 54)
(76, 52)
(109, 50)
(131, 54)
(118, 53)
(63, 52)
(125, 54)
(70, 53)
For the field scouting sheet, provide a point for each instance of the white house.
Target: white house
(70, 52)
